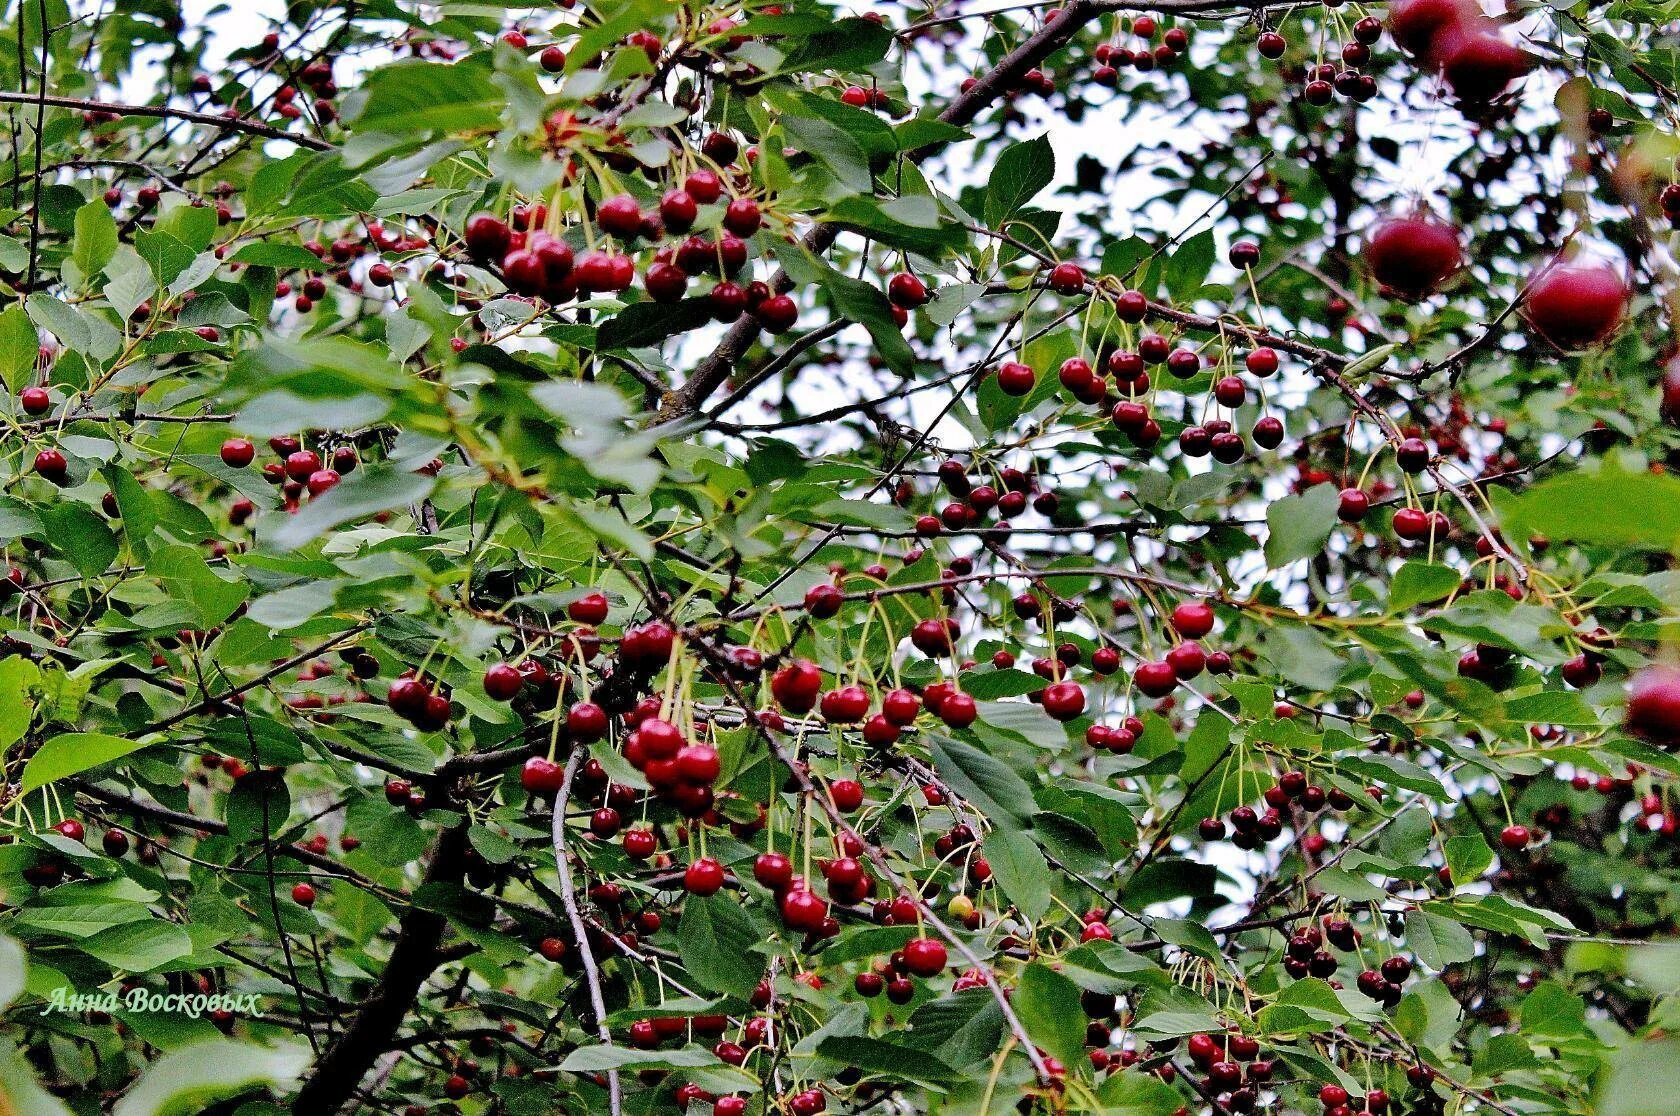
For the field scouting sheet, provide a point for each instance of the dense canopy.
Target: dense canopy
(641, 557)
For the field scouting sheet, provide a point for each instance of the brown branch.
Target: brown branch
(227, 123)
(715, 369)
(414, 958)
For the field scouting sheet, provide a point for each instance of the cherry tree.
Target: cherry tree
(633, 557)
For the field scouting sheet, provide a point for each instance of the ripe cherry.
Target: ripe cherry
(907, 291)
(542, 776)
(1193, 619)
(847, 795)
(1064, 701)
(1575, 304)
(924, 957)
(1412, 255)
(773, 870)
(1653, 708)
(52, 466)
(1067, 278)
(1352, 504)
(34, 400)
(502, 681)
(703, 877)
(1155, 679)
(303, 895)
(1016, 378)
(238, 453)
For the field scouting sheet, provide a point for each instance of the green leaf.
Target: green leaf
(1610, 506)
(187, 577)
(19, 347)
(20, 1093)
(715, 939)
(18, 676)
(1299, 525)
(1468, 857)
(13, 970)
(1048, 1004)
(851, 43)
(1437, 941)
(259, 795)
(994, 788)
(96, 238)
(363, 493)
(82, 920)
(412, 99)
(1019, 867)
(595, 1059)
(1418, 583)
(190, 1080)
(877, 1056)
(81, 536)
(133, 502)
(71, 753)
(643, 324)
(139, 947)
(1019, 174)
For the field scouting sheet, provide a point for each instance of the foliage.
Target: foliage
(647, 557)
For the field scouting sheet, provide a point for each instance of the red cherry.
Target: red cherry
(924, 957)
(52, 466)
(1016, 378)
(743, 217)
(238, 453)
(698, 764)
(541, 776)
(803, 909)
(1575, 304)
(773, 870)
(303, 895)
(1064, 700)
(502, 681)
(1187, 660)
(1351, 505)
(1413, 255)
(34, 400)
(907, 291)
(958, 710)
(591, 608)
(1067, 278)
(1193, 619)
(1653, 708)
(1514, 837)
(1155, 679)
(1477, 62)
(900, 707)
(620, 215)
(703, 877)
(847, 795)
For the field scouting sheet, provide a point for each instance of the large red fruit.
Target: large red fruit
(1415, 24)
(795, 686)
(1478, 63)
(703, 877)
(924, 956)
(542, 776)
(1413, 255)
(1064, 701)
(1575, 304)
(1653, 708)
